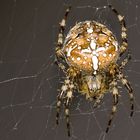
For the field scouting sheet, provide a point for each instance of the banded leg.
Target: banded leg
(124, 38)
(66, 95)
(67, 106)
(115, 102)
(130, 91)
(60, 40)
(59, 53)
(98, 100)
(125, 61)
(58, 106)
(60, 98)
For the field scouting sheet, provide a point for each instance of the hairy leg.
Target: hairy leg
(115, 94)
(59, 53)
(125, 61)
(126, 83)
(124, 38)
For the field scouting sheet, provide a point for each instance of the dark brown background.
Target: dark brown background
(29, 80)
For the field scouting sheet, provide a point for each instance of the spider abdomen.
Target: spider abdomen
(90, 46)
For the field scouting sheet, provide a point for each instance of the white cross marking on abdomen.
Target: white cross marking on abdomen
(95, 63)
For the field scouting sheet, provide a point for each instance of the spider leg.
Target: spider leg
(67, 105)
(61, 66)
(59, 102)
(59, 52)
(126, 83)
(124, 39)
(66, 95)
(60, 40)
(115, 102)
(125, 61)
(98, 100)
(60, 98)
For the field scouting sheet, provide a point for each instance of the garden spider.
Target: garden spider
(89, 58)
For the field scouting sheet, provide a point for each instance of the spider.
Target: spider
(89, 56)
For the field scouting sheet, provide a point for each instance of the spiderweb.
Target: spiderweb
(29, 79)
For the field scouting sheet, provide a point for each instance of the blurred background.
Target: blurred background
(29, 79)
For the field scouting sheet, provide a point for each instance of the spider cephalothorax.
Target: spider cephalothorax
(88, 56)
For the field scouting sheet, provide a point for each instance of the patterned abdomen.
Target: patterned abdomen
(90, 46)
